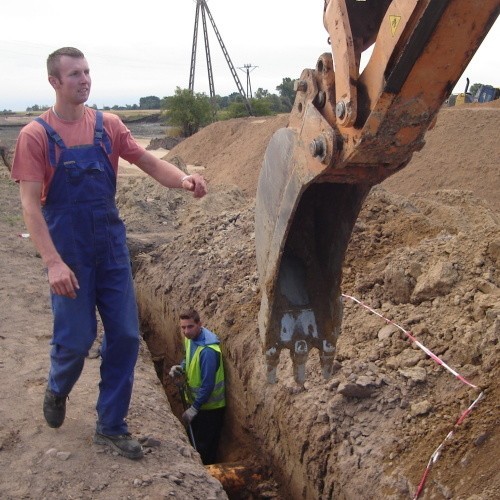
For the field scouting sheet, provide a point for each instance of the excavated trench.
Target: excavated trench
(292, 439)
(372, 427)
(370, 430)
(309, 440)
(323, 440)
(240, 467)
(216, 274)
(200, 253)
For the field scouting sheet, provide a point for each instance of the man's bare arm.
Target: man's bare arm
(62, 280)
(168, 175)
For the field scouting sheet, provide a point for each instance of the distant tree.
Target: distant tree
(278, 104)
(273, 102)
(474, 88)
(261, 93)
(287, 93)
(237, 110)
(235, 97)
(222, 101)
(149, 102)
(188, 111)
(183, 109)
(261, 107)
(164, 102)
(37, 108)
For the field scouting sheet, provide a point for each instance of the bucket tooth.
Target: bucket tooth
(272, 360)
(327, 358)
(299, 358)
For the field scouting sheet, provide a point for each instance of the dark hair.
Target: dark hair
(190, 314)
(53, 59)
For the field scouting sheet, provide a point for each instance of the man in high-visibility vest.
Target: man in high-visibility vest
(205, 389)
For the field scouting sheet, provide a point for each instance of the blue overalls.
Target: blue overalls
(88, 233)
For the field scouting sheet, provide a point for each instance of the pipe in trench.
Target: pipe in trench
(239, 480)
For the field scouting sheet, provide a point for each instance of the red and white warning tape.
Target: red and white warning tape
(437, 452)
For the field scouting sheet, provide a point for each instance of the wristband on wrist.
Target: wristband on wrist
(184, 178)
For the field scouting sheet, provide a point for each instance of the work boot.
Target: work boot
(124, 444)
(54, 408)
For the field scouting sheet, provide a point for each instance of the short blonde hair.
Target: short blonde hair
(53, 59)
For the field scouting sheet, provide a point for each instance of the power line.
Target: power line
(248, 68)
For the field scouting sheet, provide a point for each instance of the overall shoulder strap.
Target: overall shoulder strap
(100, 136)
(54, 138)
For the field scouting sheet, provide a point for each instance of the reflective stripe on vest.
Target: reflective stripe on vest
(193, 371)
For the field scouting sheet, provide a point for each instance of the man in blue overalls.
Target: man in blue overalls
(66, 162)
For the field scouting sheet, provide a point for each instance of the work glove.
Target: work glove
(176, 371)
(189, 414)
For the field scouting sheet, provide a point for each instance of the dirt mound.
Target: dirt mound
(231, 151)
(461, 152)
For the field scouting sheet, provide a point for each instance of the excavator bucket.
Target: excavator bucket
(347, 132)
(302, 228)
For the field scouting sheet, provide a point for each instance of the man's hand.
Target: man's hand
(62, 280)
(189, 414)
(168, 175)
(176, 371)
(196, 184)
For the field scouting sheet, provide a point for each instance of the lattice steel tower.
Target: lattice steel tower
(201, 5)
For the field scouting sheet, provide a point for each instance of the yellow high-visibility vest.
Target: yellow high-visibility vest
(193, 373)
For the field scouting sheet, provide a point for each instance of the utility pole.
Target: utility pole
(248, 68)
(201, 5)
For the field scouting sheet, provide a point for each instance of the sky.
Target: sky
(139, 49)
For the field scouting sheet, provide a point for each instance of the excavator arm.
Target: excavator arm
(347, 132)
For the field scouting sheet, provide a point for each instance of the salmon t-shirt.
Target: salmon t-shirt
(31, 158)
